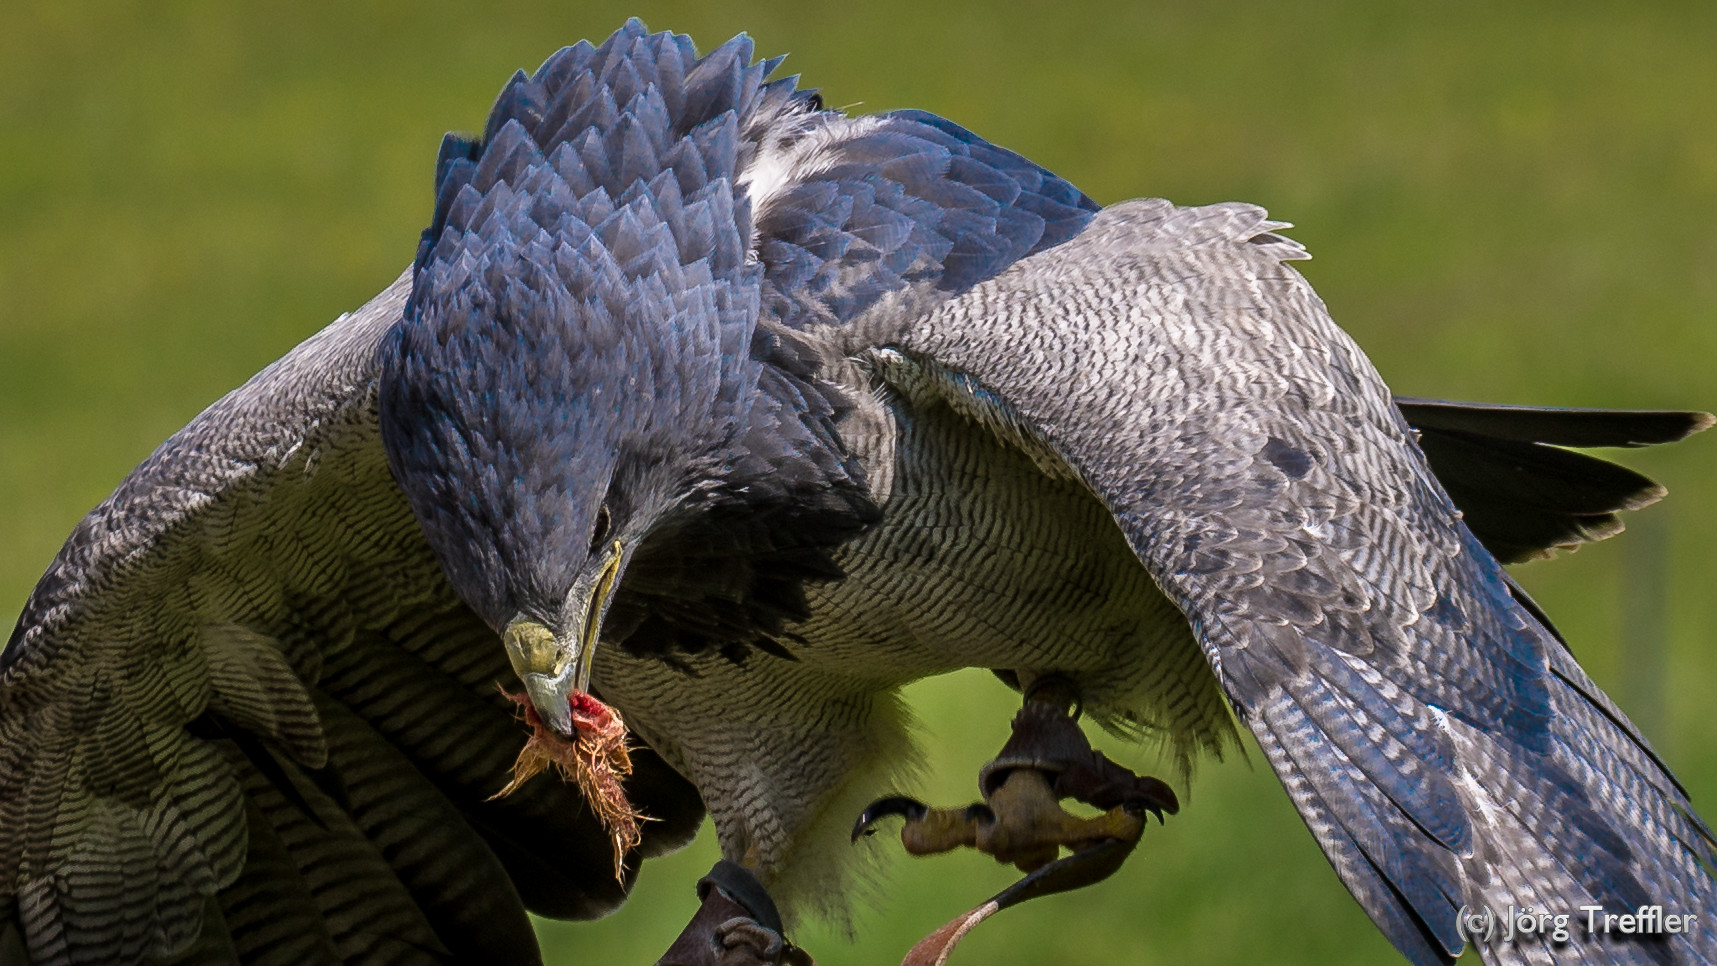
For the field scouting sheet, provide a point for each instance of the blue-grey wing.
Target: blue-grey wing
(885, 215)
(1520, 491)
(1438, 739)
(244, 714)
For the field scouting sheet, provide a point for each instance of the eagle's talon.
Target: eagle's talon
(910, 808)
(745, 942)
(737, 925)
(1021, 821)
(742, 940)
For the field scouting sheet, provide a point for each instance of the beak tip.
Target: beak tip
(550, 696)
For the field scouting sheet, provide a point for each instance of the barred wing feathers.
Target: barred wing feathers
(1438, 739)
(244, 710)
(861, 221)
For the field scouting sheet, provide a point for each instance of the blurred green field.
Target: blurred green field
(1508, 202)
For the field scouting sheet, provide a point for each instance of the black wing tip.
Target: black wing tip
(1524, 494)
(1527, 501)
(1558, 426)
(1670, 425)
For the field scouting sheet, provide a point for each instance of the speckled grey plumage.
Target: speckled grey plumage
(942, 413)
(1439, 740)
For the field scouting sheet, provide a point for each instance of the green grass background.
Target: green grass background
(1509, 202)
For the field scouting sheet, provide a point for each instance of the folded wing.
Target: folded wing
(243, 710)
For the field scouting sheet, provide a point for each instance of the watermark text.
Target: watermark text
(1525, 924)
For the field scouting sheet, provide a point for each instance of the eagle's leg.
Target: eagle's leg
(1046, 760)
(737, 925)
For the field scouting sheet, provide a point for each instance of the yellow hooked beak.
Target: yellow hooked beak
(552, 667)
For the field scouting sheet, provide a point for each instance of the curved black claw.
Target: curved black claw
(909, 808)
(737, 925)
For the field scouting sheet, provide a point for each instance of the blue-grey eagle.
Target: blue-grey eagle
(742, 413)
